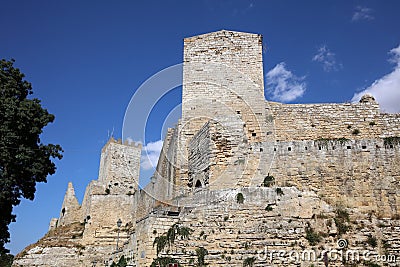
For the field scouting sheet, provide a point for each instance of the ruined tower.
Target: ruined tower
(110, 198)
(70, 210)
(120, 166)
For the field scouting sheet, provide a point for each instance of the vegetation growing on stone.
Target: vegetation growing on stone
(371, 240)
(269, 181)
(279, 191)
(240, 198)
(122, 262)
(325, 142)
(312, 236)
(163, 262)
(269, 207)
(249, 261)
(342, 221)
(201, 252)
(391, 141)
(174, 232)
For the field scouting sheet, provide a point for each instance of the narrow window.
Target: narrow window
(198, 184)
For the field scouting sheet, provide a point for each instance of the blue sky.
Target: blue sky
(85, 60)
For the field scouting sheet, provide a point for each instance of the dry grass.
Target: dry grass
(64, 236)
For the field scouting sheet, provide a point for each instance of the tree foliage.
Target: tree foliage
(168, 239)
(24, 159)
(6, 260)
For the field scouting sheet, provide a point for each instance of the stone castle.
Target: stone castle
(244, 174)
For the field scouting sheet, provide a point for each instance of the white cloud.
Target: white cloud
(362, 13)
(326, 58)
(386, 90)
(150, 155)
(283, 85)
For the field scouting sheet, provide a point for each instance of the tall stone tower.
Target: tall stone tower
(111, 197)
(223, 82)
(120, 167)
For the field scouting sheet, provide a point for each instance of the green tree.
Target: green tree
(6, 260)
(24, 159)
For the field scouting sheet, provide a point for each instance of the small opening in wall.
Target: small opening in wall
(261, 149)
(237, 111)
(348, 147)
(289, 149)
(274, 148)
(364, 147)
(253, 134)
(305, 148)
(333, 148)
(391, 146)
(319, 147)
(198, 184)
(116, 184)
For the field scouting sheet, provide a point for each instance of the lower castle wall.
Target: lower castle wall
(362, 174)
(105, 210)
(233, 232)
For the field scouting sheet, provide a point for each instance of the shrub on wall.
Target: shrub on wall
(240, 198)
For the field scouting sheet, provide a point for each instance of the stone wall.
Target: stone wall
(233, 232)
(315, 121)
(362, 174)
